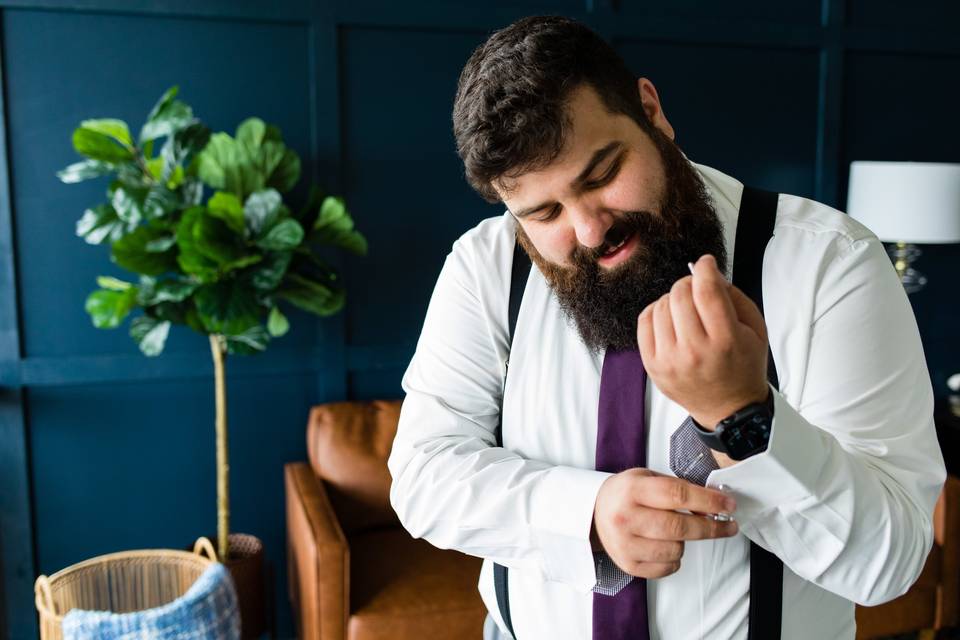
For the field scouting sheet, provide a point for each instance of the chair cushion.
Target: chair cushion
(405, 588)
(348, 444)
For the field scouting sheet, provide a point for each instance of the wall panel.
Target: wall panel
(728, 105)
(117, 66)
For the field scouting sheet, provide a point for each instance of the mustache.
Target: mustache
(622, 228)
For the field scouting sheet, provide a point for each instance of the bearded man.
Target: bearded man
(657, 476)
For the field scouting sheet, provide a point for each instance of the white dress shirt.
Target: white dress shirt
(843, 494)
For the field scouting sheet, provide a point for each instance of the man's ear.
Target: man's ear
(653, 108)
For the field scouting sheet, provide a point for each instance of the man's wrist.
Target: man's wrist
(709, 421)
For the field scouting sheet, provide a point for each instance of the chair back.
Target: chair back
(348, 444)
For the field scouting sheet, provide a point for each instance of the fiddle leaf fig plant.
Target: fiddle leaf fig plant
(200, 222)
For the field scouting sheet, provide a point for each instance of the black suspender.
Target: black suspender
(758, 212)
(518, 282)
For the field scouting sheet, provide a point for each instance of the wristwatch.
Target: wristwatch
(743, 434)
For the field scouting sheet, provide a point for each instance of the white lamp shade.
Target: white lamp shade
(917, 202)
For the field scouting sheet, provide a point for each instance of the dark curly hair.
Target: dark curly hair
(509, 115)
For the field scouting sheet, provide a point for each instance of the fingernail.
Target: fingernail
(690, 266)
(729, 505)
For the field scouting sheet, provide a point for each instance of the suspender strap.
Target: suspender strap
(758, 212)
(518, 282)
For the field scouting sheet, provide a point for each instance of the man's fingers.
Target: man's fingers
(652, 570)
(712, 298)
(664, 335)
(686, 320)
(639, 549)
(671, 525)
(668, 492)
(748, 313)
(645, 338)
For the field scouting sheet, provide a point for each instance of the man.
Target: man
(632, 246)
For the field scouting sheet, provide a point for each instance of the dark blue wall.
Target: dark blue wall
(101, 449)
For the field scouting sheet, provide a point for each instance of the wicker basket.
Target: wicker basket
(120, 583)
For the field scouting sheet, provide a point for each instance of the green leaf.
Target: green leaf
(311, 296)
(99, 146)
(226, 165)
(150, 334)
(84, 170)
(166, 118)
(227, 207)
(163, 102)
(108, 308)
(180, 145)
(155, 167)
(270, 274)
(262, 210)
(190, 258)
(284, 177)
(227, 307)
(101, 223)
(253, 340)
(216, 241)
(287, 234)
(113, 284)
(116, 129)
(161, 244)
(334, 226)
(333, 215)
(277, 323)
(251, 132)
(128, 203)
(154, 292)
(131, 253)
(159, 202)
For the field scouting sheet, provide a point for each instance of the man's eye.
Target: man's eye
(549, 215)
(605, 178)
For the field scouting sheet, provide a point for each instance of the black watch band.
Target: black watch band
(743, 434)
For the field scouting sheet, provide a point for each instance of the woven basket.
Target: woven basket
(120, 583)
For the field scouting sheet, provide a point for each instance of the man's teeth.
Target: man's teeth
(614, 248)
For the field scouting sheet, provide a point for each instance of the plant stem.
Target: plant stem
(223, 465)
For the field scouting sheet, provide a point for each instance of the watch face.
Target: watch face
(748, 437)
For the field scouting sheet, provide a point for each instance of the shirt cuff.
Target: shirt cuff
(785, 473)
(562, 512)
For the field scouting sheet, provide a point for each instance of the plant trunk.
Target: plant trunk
(217, 347)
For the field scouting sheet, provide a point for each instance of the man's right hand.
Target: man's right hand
(637, 520)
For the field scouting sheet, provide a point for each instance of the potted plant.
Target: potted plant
(226, 265)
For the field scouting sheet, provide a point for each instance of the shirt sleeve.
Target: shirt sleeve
(844, 493)
(451, 484)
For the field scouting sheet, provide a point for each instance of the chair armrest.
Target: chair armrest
(318, 557)
(946, 532)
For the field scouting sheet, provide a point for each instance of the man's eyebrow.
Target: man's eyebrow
(598, 156)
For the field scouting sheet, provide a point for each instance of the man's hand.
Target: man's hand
(637, 522)
(704, 345)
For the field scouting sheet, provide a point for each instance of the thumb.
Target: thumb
(748, 313)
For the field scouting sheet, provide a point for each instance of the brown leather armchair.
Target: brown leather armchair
(933, 602)
(354, 572)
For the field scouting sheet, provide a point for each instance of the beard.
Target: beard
(604, 305)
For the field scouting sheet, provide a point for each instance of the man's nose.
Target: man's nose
(591, 224)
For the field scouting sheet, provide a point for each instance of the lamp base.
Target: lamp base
(903, 254)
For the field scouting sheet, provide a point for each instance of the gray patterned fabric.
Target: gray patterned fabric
(690, 458)
(610, 578)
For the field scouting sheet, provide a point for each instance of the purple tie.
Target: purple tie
(621, 445)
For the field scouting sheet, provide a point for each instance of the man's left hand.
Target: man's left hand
(704, 345)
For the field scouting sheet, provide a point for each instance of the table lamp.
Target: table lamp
(906, 203)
